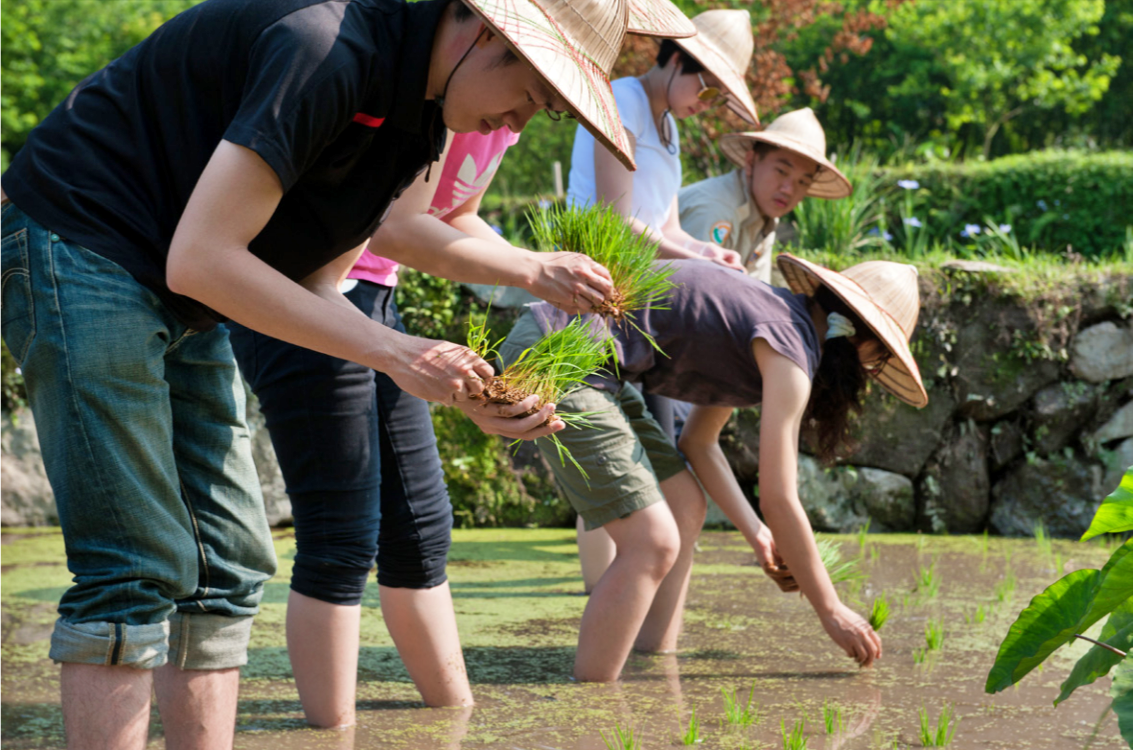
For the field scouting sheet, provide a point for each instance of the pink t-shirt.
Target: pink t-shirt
(472, 161)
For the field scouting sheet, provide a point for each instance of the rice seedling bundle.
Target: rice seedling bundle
(839, 570)
(879, 614)
(604, 235)
(552, 367)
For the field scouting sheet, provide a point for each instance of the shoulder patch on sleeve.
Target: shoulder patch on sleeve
(721, 231)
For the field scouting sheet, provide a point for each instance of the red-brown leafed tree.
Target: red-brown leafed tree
(771, 78)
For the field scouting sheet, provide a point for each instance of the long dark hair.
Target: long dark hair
(836, 391)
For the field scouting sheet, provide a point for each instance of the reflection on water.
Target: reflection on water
(517, 603)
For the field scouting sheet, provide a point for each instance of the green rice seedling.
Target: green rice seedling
(941, 734)
(796, 738)
(976, 617)
(879, 613)
(1005, 589)
(1042, 541)
(621, 739)
(863, 535)
(692, 733)
(740, 714)
(604, 235)
(919, 655)
(934, 635)
(928, 582)
(839, 570)
(552, 367)
(832, 717)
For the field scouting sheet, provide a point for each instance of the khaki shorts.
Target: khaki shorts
(625, 453)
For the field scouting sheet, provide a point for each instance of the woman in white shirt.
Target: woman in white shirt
(690, 76)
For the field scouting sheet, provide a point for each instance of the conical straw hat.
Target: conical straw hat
(658, 18)
(800, 132)
(724, 45)
(885, 296)
(573, 44)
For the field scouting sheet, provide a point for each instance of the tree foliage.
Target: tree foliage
(51, 45)
(994, 60)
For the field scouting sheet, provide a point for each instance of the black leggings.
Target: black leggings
(360, 461)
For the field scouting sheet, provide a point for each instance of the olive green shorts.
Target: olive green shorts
(625, 453)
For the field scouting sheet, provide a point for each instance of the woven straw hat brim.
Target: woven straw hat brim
(716, 62)
(900, 375)
(829, 183)
(658, 18)
(562, 60)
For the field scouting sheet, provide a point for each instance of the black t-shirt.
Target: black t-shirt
(705, 328)
(330, 93)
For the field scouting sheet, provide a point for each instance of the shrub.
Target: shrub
(1051, 199)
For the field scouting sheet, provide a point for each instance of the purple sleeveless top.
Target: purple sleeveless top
(713, 316)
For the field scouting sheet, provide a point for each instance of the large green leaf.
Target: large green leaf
(1115, 514)
(1122, 693)
(1068, 606)
(1050, 620)
(1117, 632)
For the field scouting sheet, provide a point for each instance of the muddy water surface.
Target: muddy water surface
(518, 603)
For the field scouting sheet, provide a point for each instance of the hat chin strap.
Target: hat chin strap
(444, 92)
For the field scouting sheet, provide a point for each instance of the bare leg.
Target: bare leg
(105, 708)
(423, 626)
(648, 543)
(322, 641)
(595, 552)
(662, 625)
(198, 706)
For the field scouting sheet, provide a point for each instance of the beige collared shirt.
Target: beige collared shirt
(721, 210)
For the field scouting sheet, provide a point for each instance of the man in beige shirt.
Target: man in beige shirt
(778, 167)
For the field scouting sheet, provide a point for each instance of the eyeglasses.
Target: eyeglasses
(707, 93)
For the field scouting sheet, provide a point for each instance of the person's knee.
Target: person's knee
(655, 546)
(417, 561)
(334, 571)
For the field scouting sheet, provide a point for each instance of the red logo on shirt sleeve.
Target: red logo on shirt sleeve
(369, 121)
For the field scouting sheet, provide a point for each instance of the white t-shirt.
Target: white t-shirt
(658, 175)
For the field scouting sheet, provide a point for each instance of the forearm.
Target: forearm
(712, 469)
(240, 286)
(428, 244)
(795, 541)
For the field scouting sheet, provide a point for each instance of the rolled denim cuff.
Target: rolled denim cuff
(207, 641)
(110, 644)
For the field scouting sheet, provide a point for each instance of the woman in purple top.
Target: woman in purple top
(731, 341)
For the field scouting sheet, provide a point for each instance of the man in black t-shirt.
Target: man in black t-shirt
(211, 173)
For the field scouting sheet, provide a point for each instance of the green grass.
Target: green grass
(796, 738)
(692, 732)
(603, 234)
(840, 570)
(927, 581)
(737, 713)
(621, 739)
(879, 613)
(940, 735)
(934, 635)
(1005, 589)
(832, 717)
(863, 536)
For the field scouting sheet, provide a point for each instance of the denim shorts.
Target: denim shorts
(625, 452)
(141, 424)
(360, 461)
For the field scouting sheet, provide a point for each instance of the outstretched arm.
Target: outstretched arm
(786, 390)
(209, 261)
(462, 247)
(700, 443)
